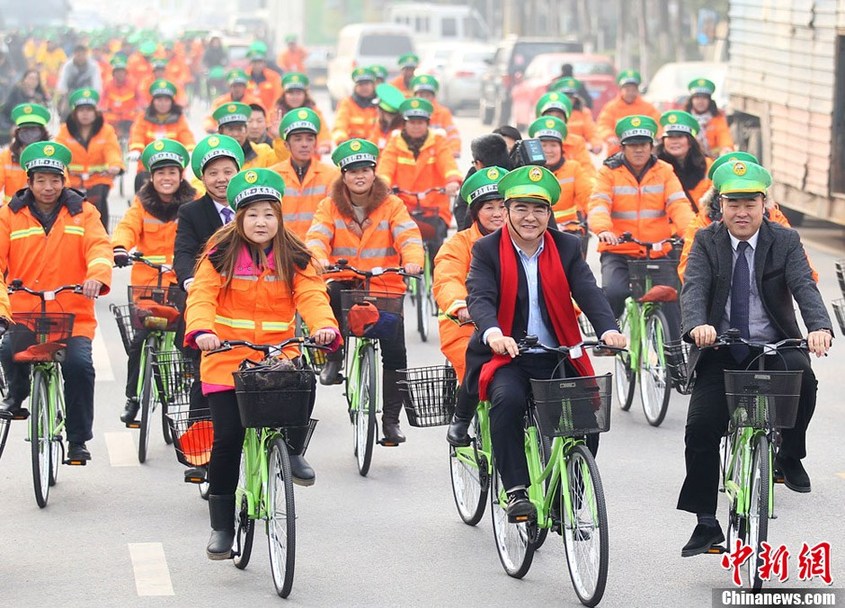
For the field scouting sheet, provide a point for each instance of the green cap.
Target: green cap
(290, 38)
(701, 86)
(257, 51)
(232, 112)
(215, 146)
(678, 121)
(30, 113)
(416, 108)
(565, 85)
(299, 119)
(254, 185)
(740, 179)
(548, 127)
(380, 71)
(636, 128)
(147, 48)
(730, 157)
(424, 82)
(355, 152)
(45, 156)
(408, 60)
(553, 100)
(483, 185)
(389, 98)
(84, 97)
(236, 76)
(629, 77)
(218, 72)
(295, 80)
(363, 75)
(530, 182)
(118, 62)
(158, 63)
(162, 87)
(165, 153)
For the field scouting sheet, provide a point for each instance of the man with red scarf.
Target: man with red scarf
(521, 282)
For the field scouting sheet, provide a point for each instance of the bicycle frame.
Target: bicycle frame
(55, 398)
(638, 316)
(255, 471)
(353, 362)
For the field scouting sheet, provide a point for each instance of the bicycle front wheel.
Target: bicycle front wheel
(281, 518)
(758, 509)
(39, 438)
(655, 387)
(58, 417)
(470, 481)
(585, 527)
(365, 416)
(623, 375)
(515, 543)
(147, 401)
(423, 307)
(5, 422)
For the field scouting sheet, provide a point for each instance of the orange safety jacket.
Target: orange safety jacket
(292, 60)
(581, 123)
(210, 125)
(141, 230)
(260, 156)
(301, 198)
(148, 127)
(89, 163)
(620, 203)
(324, 137)
(433, 168)
(451, 267)
(12, 175)
(352, 121)
(5, 304)
(268, 90)
(146, 99)
(139, 67)
(120, 102)
(442, 119)
(718, 136)
(616, 109)
(76, 249)
(254, 307)
(575, 148)
(399, 83)
(387, 237)
(575, 189)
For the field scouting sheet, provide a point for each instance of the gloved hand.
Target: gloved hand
(133, 156)
(121, 257)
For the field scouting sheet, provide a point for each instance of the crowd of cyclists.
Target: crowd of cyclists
(249, 229)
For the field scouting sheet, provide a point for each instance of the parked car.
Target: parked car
(433, 58)
(236, 50)
(513, 54)
(363, 44)
(317, 63)
(596, 72)
(667, 89)
(461, 82)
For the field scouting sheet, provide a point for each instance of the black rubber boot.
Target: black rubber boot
(464, 411)
(301, 471)
(130, 410)
(221, 509)
(393, 400)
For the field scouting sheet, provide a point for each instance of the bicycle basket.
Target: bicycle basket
(569, 407)
(428, 221)
(270, 395)
(763, 399)
(430, 394)
(839, 311)
(359, 313)
(587, 329)
(38, 337)
(645, 274)
(176, 374)
(154, 307)
(677, 357)
(840, 275)
(193, 435)
(122, 314)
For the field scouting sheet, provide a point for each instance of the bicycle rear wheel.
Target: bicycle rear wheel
(39, 438)
(655, 385)
(165, 428)
(584, 528)
(147, 401)
(281, 518)
(470, 481)
(55, 445)
(623, 375)
(514, 542)
(365, 416)
(5, 422)
(423, 307)
(758, 509)
(244, 526)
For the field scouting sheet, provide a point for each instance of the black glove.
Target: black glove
(121, 257)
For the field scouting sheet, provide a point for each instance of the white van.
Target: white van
(440, 22)
(362, 45)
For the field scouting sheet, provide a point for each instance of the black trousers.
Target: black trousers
(78, 372)
(99, 196)
(707, 419)
(133, 362)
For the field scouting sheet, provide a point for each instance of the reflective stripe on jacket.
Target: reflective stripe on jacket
(141, 230)
(352, 121)
(575, 189)
(102, 153)
(12, 176)
(301, 199)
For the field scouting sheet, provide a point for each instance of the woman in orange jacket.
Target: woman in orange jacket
(679, 147)
(362, 222)
(150, 227)
(715, 134)
(252, 280)
(30, 126)
(487, 212)
(96, 153)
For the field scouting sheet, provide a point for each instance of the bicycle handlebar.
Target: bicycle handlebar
(137, 256)
(421, 194)
(268, 349)
(343, 265)
(627, 237)
(531, 342)
(47, 295)
(732, 337)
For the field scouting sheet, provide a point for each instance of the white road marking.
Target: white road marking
(152, 576)
(100, 354)
(121, 449)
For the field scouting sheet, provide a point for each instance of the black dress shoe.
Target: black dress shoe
(457, 433)
(301, 471)
(331, 373)
(130, 410)
(9, 406)
(794, 476)
(519, 508)
(703, 538)
(78, 451)
(392, 432)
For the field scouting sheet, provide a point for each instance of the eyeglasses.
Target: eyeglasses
(536, 210)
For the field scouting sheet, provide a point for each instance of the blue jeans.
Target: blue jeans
(78, 371)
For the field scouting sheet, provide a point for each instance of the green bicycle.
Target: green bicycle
(565, 487)
(37, 338)
(645, 326)
(270, 401)
(5, 421)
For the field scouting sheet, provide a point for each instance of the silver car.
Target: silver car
(461, 82)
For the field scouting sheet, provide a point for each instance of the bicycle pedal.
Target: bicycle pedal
(519, 519)
(194, 476)
(716, 550)
(76, 463)
(388, 444)
(21, 414)
(135, 424)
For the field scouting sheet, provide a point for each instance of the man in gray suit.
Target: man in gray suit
(743, 273)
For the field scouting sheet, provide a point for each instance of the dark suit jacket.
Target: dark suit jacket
(198, 220)
(484, 291)
(781, 272)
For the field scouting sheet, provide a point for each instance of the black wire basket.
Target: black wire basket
(840, 275)
(176, 374)
(572, 407)
(430, 394)
(39, 337)
(677, 360)
(123, 315)
(274, 398)
(839, 311)
(152, 307)
(386, 325)
(763, 399)
(645, 274)
(193, 435)
(587, 329)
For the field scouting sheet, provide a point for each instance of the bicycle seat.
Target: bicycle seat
(660, 293)
(41, 353)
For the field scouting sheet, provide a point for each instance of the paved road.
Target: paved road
(119, 533)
